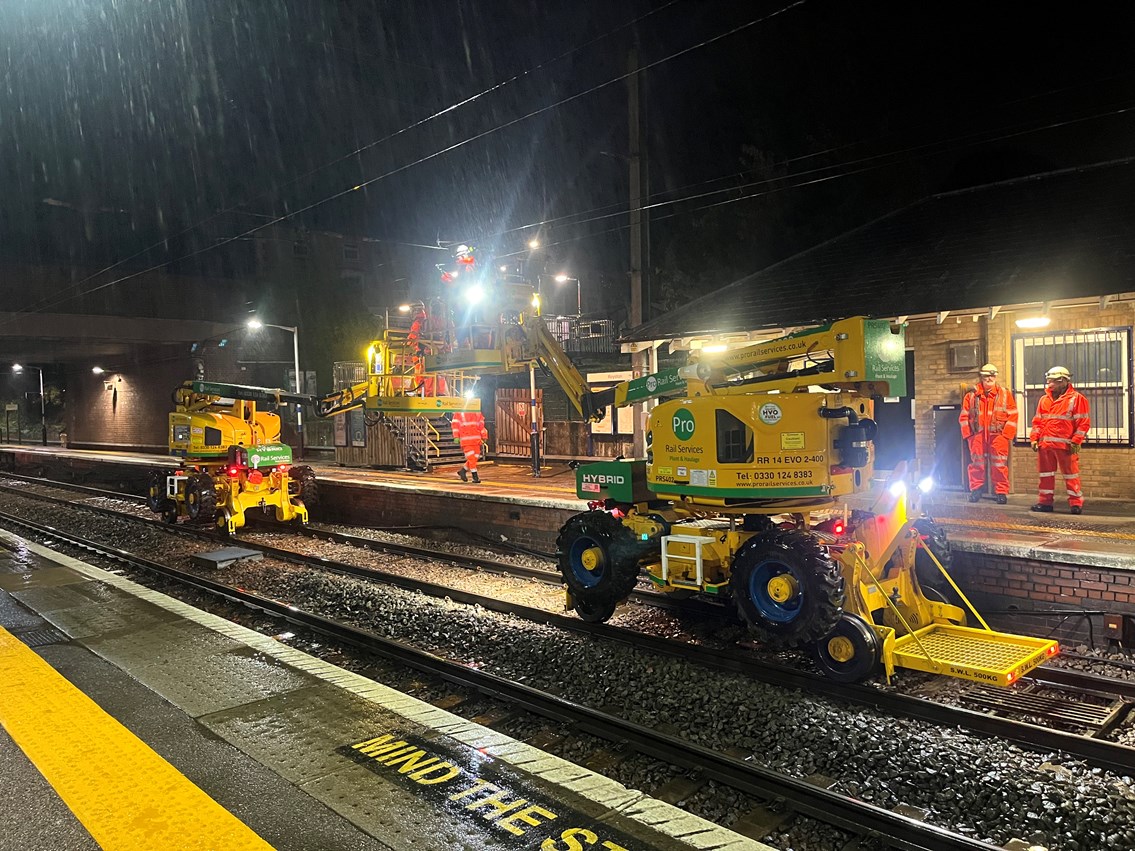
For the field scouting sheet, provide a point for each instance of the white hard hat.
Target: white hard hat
(988, 369)
(1058, 372)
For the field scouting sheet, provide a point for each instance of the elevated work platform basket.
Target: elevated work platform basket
(996, 658)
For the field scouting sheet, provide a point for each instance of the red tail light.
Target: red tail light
(838, 527)
(283, 468)
(234, 472)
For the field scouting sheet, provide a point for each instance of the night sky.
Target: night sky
(139, 122)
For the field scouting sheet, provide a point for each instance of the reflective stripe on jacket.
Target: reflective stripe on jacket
(469, 425)
(1062, 420)
(993, 411)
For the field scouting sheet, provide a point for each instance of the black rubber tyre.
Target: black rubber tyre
(934, 536)
(156, 491)
(938, 596)
(851, 652)
(200, 498)
(302, 483)
(613, 577)
(815, 604)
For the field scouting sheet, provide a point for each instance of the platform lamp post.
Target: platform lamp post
(255, 324)
(561, 279)
(17, 368)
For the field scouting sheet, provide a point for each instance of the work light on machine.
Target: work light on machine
(474, 294)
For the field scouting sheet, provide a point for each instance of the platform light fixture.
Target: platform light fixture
(1033, 322)
(18, 368)
(255, 324)
(97, 370)
(563, 278)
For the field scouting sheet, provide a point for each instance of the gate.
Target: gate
(514, 422)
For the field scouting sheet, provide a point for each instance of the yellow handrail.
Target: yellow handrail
(857, 552)
(953, 584)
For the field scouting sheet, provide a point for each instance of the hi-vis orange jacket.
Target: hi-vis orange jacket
(992, 412)
(1061, 421)
(469, 426)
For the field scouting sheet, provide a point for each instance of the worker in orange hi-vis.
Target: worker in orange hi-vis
(989, 423)
(469, 431)
(1059, 429)
(420, 327)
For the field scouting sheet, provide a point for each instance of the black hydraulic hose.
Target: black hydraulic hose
(844, 413)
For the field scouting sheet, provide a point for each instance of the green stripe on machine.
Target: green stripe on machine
(661, 382)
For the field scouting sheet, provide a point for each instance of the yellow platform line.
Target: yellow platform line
(125, 795)
(1022, 527)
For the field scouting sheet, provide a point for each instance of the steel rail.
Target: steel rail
(502, 568)
(1105, 754)
(858, 817)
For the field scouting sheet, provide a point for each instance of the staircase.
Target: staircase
(444, 451)
(427, 441)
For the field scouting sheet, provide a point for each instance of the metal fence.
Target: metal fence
(584, 336)
(1101, 366)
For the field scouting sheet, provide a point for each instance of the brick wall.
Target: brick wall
(1060, 600)
(529, 525)
(1107, 472)
(128, 406)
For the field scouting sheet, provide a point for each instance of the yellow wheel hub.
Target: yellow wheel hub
(782, 588)
(592, 558)
(841, 649)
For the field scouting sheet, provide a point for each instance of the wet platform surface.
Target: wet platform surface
(297, 753)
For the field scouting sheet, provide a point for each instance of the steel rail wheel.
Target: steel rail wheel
(851, 652)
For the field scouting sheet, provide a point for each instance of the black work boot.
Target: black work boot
(461, 475)
(1077, 509)
(476, 478)
(1040, 506)
(1002, 498)
(975, 496)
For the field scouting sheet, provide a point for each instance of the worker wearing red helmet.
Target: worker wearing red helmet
(469, 431)
(989, 423)
(1059, 428)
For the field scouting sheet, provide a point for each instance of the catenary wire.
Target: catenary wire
(75, 288)
(441, 152)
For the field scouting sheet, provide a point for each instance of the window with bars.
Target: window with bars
(1101, 367)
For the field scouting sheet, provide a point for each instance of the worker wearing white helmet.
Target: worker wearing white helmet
(989, 423)
(1059, 428)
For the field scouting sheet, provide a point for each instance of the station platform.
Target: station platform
(129, 720)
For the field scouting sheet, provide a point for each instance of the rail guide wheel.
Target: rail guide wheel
(599, 563)
(851, 652)
(786, 587)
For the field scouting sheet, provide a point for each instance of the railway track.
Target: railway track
(885, 828)
(1054, 710)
